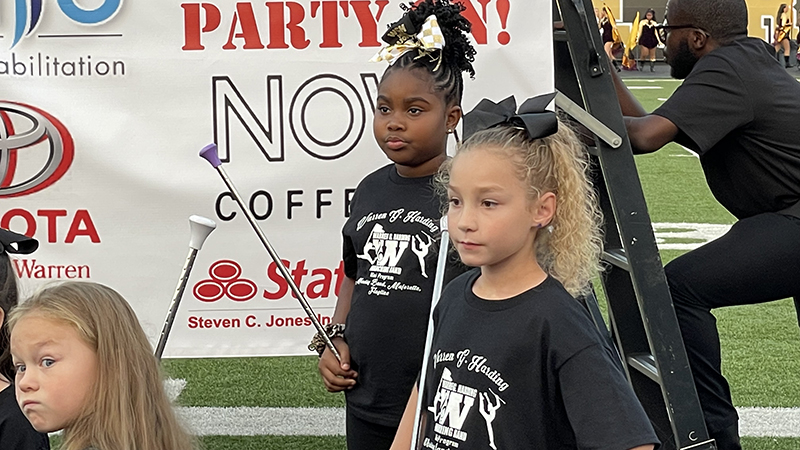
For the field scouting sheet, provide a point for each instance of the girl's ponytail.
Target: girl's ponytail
(570, 252)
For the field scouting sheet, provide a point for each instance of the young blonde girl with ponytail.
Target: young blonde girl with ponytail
(84, 365)
(515, 360)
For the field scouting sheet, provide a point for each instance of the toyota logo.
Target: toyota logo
(35, 149)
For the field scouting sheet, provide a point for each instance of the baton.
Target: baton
(209, 153)
(200, 228)
(438, 282)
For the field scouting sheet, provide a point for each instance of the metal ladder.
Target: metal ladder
(641, 315)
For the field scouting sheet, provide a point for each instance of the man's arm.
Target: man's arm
(647, 132)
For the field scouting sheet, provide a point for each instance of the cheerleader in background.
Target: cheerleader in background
(648, 39)
(607, 33)
(783, 32)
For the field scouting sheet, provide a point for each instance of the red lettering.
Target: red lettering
(200, 322)
(274, 275)
(191, 23)
(277, 23)
(368, 22)
(82, 217)
(296, 33)
(245, 16)
(81, 224)
(51, 215)
(330, 22)
(18, 212)
(339, 276)
(322, 279)
(471, 14)
(478, 26)
(320, 287)
(298, 273)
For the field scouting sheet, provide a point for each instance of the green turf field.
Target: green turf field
(761, 344)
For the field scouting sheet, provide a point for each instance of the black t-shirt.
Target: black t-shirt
(390, 249)
(740, 111)
(15, 431)
(528, 372)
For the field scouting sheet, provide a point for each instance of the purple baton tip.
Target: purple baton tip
(209, 153)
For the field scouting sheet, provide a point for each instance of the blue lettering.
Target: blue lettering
(95, 16)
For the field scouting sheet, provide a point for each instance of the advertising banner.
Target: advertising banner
(106, 103)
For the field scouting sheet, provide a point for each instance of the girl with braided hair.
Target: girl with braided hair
(383, 304)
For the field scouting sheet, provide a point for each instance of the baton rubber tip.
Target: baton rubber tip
(200, 228)
(209, 153)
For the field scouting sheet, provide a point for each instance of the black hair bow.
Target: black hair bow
(532, 116)
(401, 31)
(11, 242)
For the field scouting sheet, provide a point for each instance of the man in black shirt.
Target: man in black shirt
(736, 108)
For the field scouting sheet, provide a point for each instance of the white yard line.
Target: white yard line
(690, 151)
(252, 421)
(774, 422)
(701, 232)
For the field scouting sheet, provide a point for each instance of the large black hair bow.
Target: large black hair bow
(532, 116)
(11, 242)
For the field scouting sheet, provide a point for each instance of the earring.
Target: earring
(449, 131)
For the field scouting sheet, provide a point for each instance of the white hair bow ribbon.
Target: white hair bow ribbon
(427, 41)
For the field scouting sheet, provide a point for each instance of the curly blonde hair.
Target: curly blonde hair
(129, 409)
(559, 164)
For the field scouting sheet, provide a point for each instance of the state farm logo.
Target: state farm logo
(225, 281)
(36, 149)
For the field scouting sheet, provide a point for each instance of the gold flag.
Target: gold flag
(628, 60)
(613, 21)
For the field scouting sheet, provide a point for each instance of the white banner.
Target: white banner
(106, 103)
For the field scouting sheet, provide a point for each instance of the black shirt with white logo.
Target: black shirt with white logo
(528, 372)
(391, 243)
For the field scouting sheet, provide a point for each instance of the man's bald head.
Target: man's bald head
(724, 20)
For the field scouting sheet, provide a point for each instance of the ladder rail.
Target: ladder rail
(645, 324)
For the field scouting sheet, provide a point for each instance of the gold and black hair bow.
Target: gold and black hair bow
(403, 36)
(532, 116)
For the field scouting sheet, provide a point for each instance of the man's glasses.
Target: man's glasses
(663, 30)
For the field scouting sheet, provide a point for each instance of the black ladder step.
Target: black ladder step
(646, 364)
(617, 257)
(705, 445)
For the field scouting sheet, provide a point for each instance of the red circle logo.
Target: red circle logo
(225, 281)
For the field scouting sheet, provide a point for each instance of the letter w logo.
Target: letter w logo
(392, 251)
(455, 410)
